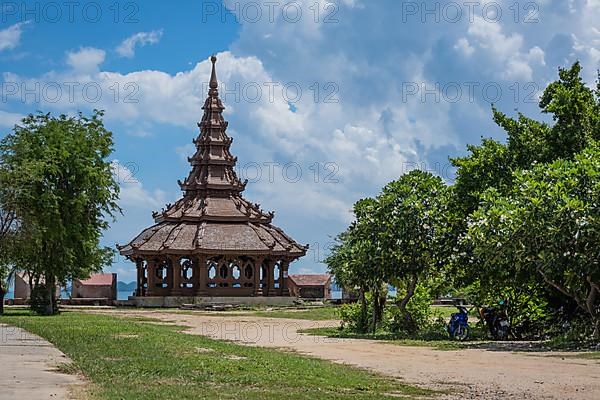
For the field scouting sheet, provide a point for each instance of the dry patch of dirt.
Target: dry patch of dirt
(481, 373)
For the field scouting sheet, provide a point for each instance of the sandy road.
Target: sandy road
(28, 367)
(471, 373)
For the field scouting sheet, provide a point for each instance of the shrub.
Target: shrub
(419, 313)
(354, 318)
(39, 300)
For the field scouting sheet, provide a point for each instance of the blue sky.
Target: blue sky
(327, 101)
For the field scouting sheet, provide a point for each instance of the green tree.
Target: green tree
(8, 227)
(413, 215)
(547, 227)
(575, 109)
(490, 169)
(64, 191)
(356, 262)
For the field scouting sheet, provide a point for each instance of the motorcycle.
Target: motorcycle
(496, 321)
(458, 327)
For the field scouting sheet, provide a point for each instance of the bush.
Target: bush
(418, 308)
(39, 300)
(353, 318)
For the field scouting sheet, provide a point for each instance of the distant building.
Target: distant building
(22, 292)
(98, 286)
(310, 286)
(349, 295)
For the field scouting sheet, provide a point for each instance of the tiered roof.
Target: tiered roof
(212, 217)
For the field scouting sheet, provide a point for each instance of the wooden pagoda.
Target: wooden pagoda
(212, 242)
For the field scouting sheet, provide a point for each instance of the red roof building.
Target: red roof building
(212, 241)
(311, 286)
(97, 286)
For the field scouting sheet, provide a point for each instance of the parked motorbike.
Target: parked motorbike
(458, 327)
(497, 322)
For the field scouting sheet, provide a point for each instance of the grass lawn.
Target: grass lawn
(592, 355)
(133, 359)
(314, 314)
(446, 311)
(390, 338)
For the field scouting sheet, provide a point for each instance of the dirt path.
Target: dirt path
(474, 373)
(28, 367)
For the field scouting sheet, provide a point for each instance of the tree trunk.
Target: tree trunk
(2, 294)
(51, 293)
(410, 292)
(374, 319)
(596, 334)
(363, 311)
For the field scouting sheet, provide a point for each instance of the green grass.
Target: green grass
(312, 313)
(387, 337)
(443, 311)
(307, 313)
(132, 359)
(591, 355)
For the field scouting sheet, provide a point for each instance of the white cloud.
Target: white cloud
(86, 59)
(8, 119)
(132, 192)
(506, 50)
(127, 47)
(373, 133)
(11, 36)
(463, 46)
(185, 151)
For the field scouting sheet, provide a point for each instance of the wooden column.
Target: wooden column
(271, 281)
(140, 277)
(200, 276)
(176, 278)
(283, 277)
(257, 268)
(151, 278)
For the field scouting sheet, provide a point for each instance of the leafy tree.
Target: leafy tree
(8, 226)
(575, 109)
(355, 262)
(548, 227)
(488, 165)
(413, 215)
(64, 190)
(490, 169)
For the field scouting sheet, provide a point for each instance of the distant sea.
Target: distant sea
(121, 295)
(124, 294)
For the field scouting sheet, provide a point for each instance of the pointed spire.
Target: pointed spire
(213, 85)
(213, 165)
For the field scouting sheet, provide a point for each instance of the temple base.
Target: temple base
(178, 301)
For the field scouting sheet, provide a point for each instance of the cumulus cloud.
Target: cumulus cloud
(463, 46)
(11, 36)
(133, 193)
(127, 47)
(506, 50)
(375, 130)
(9, 119)
(86, 59)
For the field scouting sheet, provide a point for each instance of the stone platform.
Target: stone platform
(177, 301)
